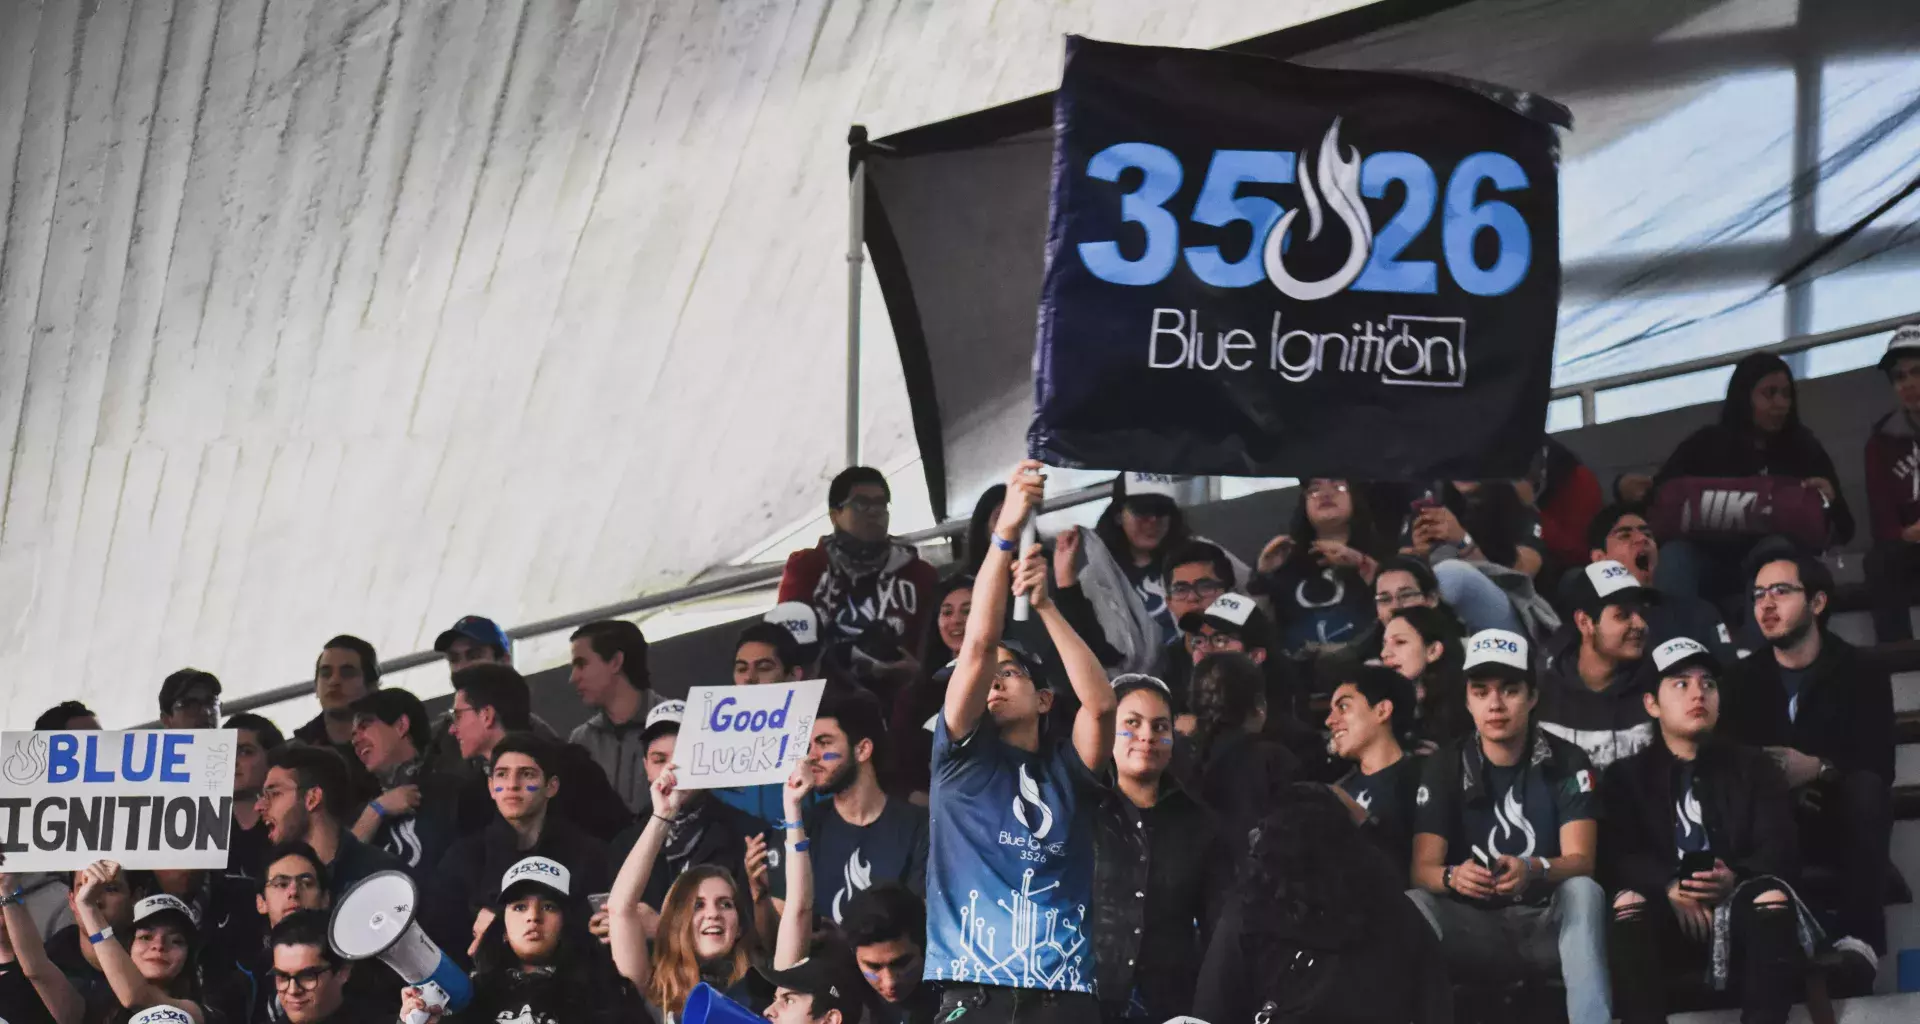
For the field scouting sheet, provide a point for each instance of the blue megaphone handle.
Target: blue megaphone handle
(454, 982)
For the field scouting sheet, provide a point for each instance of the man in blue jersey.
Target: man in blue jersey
(1010, 861)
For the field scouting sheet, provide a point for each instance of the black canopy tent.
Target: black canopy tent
(955, 213)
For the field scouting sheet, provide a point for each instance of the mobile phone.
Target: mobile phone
(1423, 503)
(1484, 860)
(1693, 863)
(598, 901)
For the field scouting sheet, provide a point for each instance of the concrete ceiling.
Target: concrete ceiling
(325, 316)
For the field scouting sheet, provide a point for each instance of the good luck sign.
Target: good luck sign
(745, 735)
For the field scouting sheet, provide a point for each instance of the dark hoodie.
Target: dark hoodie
(1733, 448)
(1893, 475)
(1608, 724)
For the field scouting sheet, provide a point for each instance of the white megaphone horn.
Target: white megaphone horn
(376, 919)
(705, 1005)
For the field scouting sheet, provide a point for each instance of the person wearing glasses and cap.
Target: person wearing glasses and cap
(1893, 492)
(1009, 809)
(190, 699)
(1695, 826)
(1504, 841)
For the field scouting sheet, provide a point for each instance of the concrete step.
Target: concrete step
(1886, 1009)
(1856, 627)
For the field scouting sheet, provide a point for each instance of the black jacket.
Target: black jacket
(1389, 972)
(710, 833)
(469, 876)
(1160, 879)
(1845, 710)
(1241, 774)
(1743, 804)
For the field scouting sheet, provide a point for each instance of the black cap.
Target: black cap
(1028, 658)
(831, 976)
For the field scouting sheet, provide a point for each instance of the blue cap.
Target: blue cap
(477, 628)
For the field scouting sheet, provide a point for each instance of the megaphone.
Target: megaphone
(705, 1005)
(376, 919)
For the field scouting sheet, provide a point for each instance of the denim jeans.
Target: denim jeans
(1568, 936)
(1479, 601)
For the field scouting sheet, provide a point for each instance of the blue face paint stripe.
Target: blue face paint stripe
(828, 755)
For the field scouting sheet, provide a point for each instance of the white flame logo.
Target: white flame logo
(858, 875)
(28, 762)
(1340, 179)
(1688, 810)
(1030, 795)
(1507, 816)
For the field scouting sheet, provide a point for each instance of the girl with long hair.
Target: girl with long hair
(1318, 929)
(1759, 433)
(1124, 575)
(536, 961)
(1427, 646)
(1240, 767)
(706, 922)
(1319, 575)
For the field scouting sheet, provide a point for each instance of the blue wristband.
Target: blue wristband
(378, 811)
(100, 936)
(799, 847)
(785, 825)
(1002, 543)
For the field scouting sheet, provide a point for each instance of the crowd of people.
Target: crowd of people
(1438, 747)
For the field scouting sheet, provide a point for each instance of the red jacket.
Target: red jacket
(1893, 476)
(900, 594)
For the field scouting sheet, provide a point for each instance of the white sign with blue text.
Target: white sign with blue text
(148, 799)
(745, 735)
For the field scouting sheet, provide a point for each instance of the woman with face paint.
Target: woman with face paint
(536, 962)
(1152, 838)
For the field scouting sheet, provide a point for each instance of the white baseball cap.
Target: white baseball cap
(797, 618)
(1905, 342)
(541, 871)
(1608, 582)
(667, 712)
(1498, 652)
(165, 904)
(1139, 485)
(1680, 652)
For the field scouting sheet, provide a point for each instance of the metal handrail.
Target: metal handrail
(1589, 390)
(723, 581)
(761, 573)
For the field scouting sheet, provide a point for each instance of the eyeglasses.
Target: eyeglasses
(457, 711)
(1777, 590)
(286, 883)
(1399, 598)
(1011, 670)
(1326, 487)
(299, 981)
(866, 506)
(1204, 590)
(1217, 641)
(272, 793)
(208, 704)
